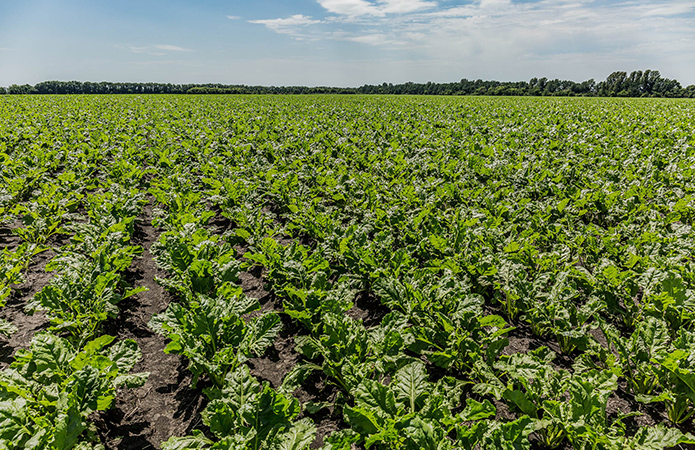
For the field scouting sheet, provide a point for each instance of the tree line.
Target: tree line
(648, 83)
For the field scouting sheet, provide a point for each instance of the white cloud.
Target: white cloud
(406, 6)
(504, 39)
(350, 7)
(172, 48)
(414, 36)
(495, 4)
(290, 25)
(156, 49)
(233, 17)
(366, 8)
(668, 10)
(372, 39)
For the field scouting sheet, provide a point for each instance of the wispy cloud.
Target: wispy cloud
(290, 25)
(155, 49)
(371, 39)
(674, 9)
(172, 48)
(233, 17)
(509, 37)
(485, 25)
(380, 9)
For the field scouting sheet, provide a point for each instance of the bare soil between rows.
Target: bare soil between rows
(168, 406)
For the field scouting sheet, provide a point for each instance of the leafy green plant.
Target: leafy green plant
(212, 334)
(12, 266)
(668, 297)
(88, 288)
(196, 260)
(410, 412)
(675, 376)
(450, 328)
(50, 390)
(244, 414)
(650, 339)
(343, 345)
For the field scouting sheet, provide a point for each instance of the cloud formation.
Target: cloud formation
(498, 27)
(380, 9)
(509, 37)
(289, 25)
(155, 49)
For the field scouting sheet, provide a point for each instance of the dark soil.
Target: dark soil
(504, 414)
(368, 309)
(316, 390)
(281, 358)
(166, 405)
(7, 239)
(35, 278)
(522, 340)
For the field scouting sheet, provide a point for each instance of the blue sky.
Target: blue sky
(341, 42)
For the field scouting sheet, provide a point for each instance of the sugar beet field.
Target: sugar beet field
(239, 272)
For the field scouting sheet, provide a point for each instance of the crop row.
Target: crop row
(465, 223)
(73, 369)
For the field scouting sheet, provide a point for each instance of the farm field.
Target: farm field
(346, 272)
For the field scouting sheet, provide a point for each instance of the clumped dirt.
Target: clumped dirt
(7, 239)
(504, 414)
(368, 309)
(316, 390)
(252, 286)
(279, 359)
(35, 278)
(522, 340)
(166, 405)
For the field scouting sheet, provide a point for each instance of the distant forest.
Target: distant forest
(648, 83)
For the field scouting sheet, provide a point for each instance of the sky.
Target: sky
(342, 42)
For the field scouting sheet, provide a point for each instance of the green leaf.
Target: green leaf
(362, 420)
(134, 380)
(134, 291)
(492, 320)
(342, 440)
(52, 356)
(125, 354)
(97, 344)
(194, 442)
(92, 393)
(563, 204)
(69, 426)
(512, 247)
(219, 418)
(240, 388)
(296, 377)
(7, 328)
(521, 401)
(410, 383)
(477, 411)
(659, 437)
(307, 346)
(425, 435)
(14, 421)
(299, 437)
(260, 334)
(376, 396)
